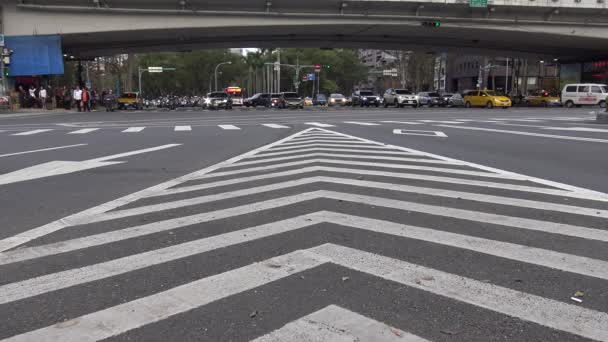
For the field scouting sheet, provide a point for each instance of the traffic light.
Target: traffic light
(326, 66)
(431, 23)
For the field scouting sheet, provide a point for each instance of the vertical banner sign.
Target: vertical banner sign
(317, 67)
(1, 40)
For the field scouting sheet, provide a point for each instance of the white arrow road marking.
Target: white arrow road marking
(41, 150)
(229, 127)
(133, 129)
(84, 131)
(36, 131)
(352, 156)
(274, 126)
(321, 149)
(318, 124)
(564, 137)
(421, 133)
(183, 128)
(58, 167)
(336, 324)
(120, 319)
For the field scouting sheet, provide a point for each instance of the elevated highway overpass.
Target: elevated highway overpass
(565, 29)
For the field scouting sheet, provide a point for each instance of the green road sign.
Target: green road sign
(478, 3)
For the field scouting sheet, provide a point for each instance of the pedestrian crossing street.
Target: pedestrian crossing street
(320, 236)
(236, 127)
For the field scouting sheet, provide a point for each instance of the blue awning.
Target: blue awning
(35, 55)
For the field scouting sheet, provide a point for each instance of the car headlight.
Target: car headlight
(224, 101)
(207, 101)
(365, 99)
(332, 100)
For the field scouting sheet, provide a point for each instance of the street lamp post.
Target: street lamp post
(216, 67)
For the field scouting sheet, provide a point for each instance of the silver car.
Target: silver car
(454, 100)
(399, 98)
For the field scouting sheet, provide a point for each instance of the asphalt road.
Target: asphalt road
(333, 224)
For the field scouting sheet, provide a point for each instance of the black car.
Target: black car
(218, 99)
(290, 100)
(319, 100)
(259, 99)
(365, 98)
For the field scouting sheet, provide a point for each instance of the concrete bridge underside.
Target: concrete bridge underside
(89, 32)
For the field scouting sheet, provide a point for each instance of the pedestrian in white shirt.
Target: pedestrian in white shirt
(78, 97)
(43, 95)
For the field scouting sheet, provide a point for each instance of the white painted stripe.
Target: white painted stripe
(36, 131)
(403, 122)
(228, 127)
(546, 312)
(362, 123)
(133, 129)
(336, 324)
(318, 124)
(41, 150)
(595, 195)
(321, 149)
(84, 131)
(29, 235)
(338, 155)
(540, 135)
(132, 153)
(506, 186)
(439, 121)
(305, 145)
(322, 137)
(517, 202)
(55, 281)
(315, 140)
(461, 214)
(357, 163)
(183, 128)
(274, 126)
(121, 318)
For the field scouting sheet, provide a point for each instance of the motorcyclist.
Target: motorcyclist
(110, 101)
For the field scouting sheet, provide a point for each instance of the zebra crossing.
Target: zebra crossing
(320, 236)
(235, 127)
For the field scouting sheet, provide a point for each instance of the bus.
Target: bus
(237, 95)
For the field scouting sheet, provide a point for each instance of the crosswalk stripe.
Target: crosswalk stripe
(119, 319)
(361, 123)
(318, 124)
(183, 128)
(546, 312)
(317, 144)
(228, 127)
(133, 129)
(84, 131)
(339, 155)
(323, 140)
(36, 131)
(334, 323)
(320, 137)
(274, 126)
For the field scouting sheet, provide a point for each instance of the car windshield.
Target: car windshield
(217, 94)
(337, 96)
(403, 92)
(129, 95)
(321, 97)
(291, 95)
(275, 96)
(489, 93)
(604, 88)
(448, 95)
(366, 93)
(434, 94)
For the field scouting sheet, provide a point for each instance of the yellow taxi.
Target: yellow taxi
(307, 101)
(543, 99)
(485, 98)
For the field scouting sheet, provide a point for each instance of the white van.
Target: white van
(584, 94)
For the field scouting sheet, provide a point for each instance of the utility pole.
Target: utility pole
(278, 70)
(507, 78)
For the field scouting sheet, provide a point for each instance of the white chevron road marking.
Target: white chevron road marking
(336, 324)
(119, 319)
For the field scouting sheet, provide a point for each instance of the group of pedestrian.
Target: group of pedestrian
(34, 97)
(83, 98)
